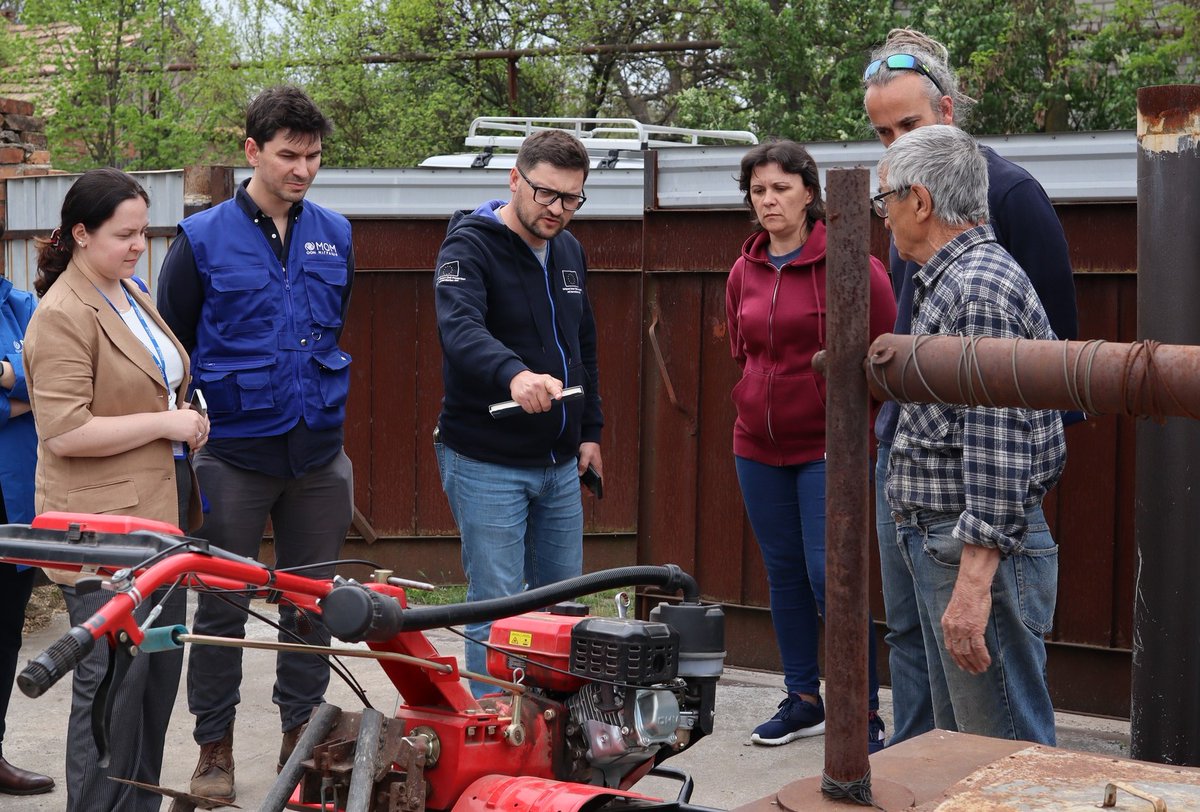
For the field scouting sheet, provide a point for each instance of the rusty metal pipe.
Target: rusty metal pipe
(1098, 377)
(1165, 713)
(319, 724)
(366, 752)
(847, 462)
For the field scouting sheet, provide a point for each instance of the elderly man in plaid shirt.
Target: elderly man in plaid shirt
(966, 484)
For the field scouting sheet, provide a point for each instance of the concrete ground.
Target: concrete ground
(727, 769)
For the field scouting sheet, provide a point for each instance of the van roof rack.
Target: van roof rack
(598, 134)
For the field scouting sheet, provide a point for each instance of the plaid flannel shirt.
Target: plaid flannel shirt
(986, 465)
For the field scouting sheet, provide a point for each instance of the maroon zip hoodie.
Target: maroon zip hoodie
(777, 322)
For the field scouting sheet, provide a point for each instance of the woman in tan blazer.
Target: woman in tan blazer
(106, 381)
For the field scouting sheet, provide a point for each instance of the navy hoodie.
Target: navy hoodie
(499, 312)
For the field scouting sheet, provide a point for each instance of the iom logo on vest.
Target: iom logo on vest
(326, 249)
(571, 282)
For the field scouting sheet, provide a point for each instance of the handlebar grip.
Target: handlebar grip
(55, 662)
(162, 638)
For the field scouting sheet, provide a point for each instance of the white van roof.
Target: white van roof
(611, 142)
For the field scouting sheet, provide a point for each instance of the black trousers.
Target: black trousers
(141, 713)
(15, 588)
(142, 707)
(310, 516)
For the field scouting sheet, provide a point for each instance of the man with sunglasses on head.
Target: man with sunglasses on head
(515, 323)
(909, 85)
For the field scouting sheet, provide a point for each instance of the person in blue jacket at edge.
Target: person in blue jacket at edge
(257, 288)
(18, 459)
(908, 84)
(515, 323)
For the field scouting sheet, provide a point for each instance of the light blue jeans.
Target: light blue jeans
(520, 527)
(1010, 700)
(909, 651)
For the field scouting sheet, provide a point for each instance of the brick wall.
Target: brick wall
(23, 149)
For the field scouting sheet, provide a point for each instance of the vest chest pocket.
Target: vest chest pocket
(239, 304)
(241, 384)
(325, 281)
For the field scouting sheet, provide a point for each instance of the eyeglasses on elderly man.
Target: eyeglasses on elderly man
(879, 202)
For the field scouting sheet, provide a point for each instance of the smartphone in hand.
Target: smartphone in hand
(593, 481)
(198, 402)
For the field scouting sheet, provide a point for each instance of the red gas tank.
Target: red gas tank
(533, 641)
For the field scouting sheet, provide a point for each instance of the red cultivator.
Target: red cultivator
(585, 706)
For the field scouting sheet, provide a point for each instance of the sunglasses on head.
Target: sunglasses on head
(903, 62)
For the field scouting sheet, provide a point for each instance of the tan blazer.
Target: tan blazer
(81, 361)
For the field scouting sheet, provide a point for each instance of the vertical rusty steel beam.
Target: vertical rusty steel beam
(205, 187)
(847, 421)
(1165, 713)
(513, 85)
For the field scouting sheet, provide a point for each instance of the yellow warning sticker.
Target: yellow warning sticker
(523, 639)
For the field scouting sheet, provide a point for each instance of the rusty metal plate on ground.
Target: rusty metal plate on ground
(1045, 779)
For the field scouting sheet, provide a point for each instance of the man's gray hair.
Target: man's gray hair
(947, 162)
(934, 56)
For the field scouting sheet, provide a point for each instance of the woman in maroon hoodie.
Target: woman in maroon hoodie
(775, 305)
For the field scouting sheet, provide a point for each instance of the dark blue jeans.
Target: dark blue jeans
(786, 507)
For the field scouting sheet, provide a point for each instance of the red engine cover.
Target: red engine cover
(529, 641)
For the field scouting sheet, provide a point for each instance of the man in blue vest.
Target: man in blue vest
(515, 323)
(910, 85)
(257, 289)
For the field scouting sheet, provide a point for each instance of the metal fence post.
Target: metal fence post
(1165, 708)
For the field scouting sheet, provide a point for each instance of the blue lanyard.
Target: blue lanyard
(159, 359)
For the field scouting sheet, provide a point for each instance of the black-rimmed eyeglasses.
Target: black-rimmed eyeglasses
(903, 62)
(546, 196)
(879, 202)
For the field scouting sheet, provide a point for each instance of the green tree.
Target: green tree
(389, 74)
(1010, 57)
(402, 79)
(1138, 44)
(799, 68)
(114, 98)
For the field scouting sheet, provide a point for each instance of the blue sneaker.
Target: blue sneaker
(795, 719)
(875, 737)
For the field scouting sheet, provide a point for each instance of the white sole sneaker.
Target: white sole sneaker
(802, 733)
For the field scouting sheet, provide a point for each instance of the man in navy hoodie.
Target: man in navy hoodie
(909, 85)
(515, 323)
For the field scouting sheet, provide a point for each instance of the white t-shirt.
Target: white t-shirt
(139, 322)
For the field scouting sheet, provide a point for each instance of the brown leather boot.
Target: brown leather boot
(290, 737)
(214, 772)
(15, 781)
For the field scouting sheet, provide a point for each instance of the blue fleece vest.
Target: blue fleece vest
(266, 344)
